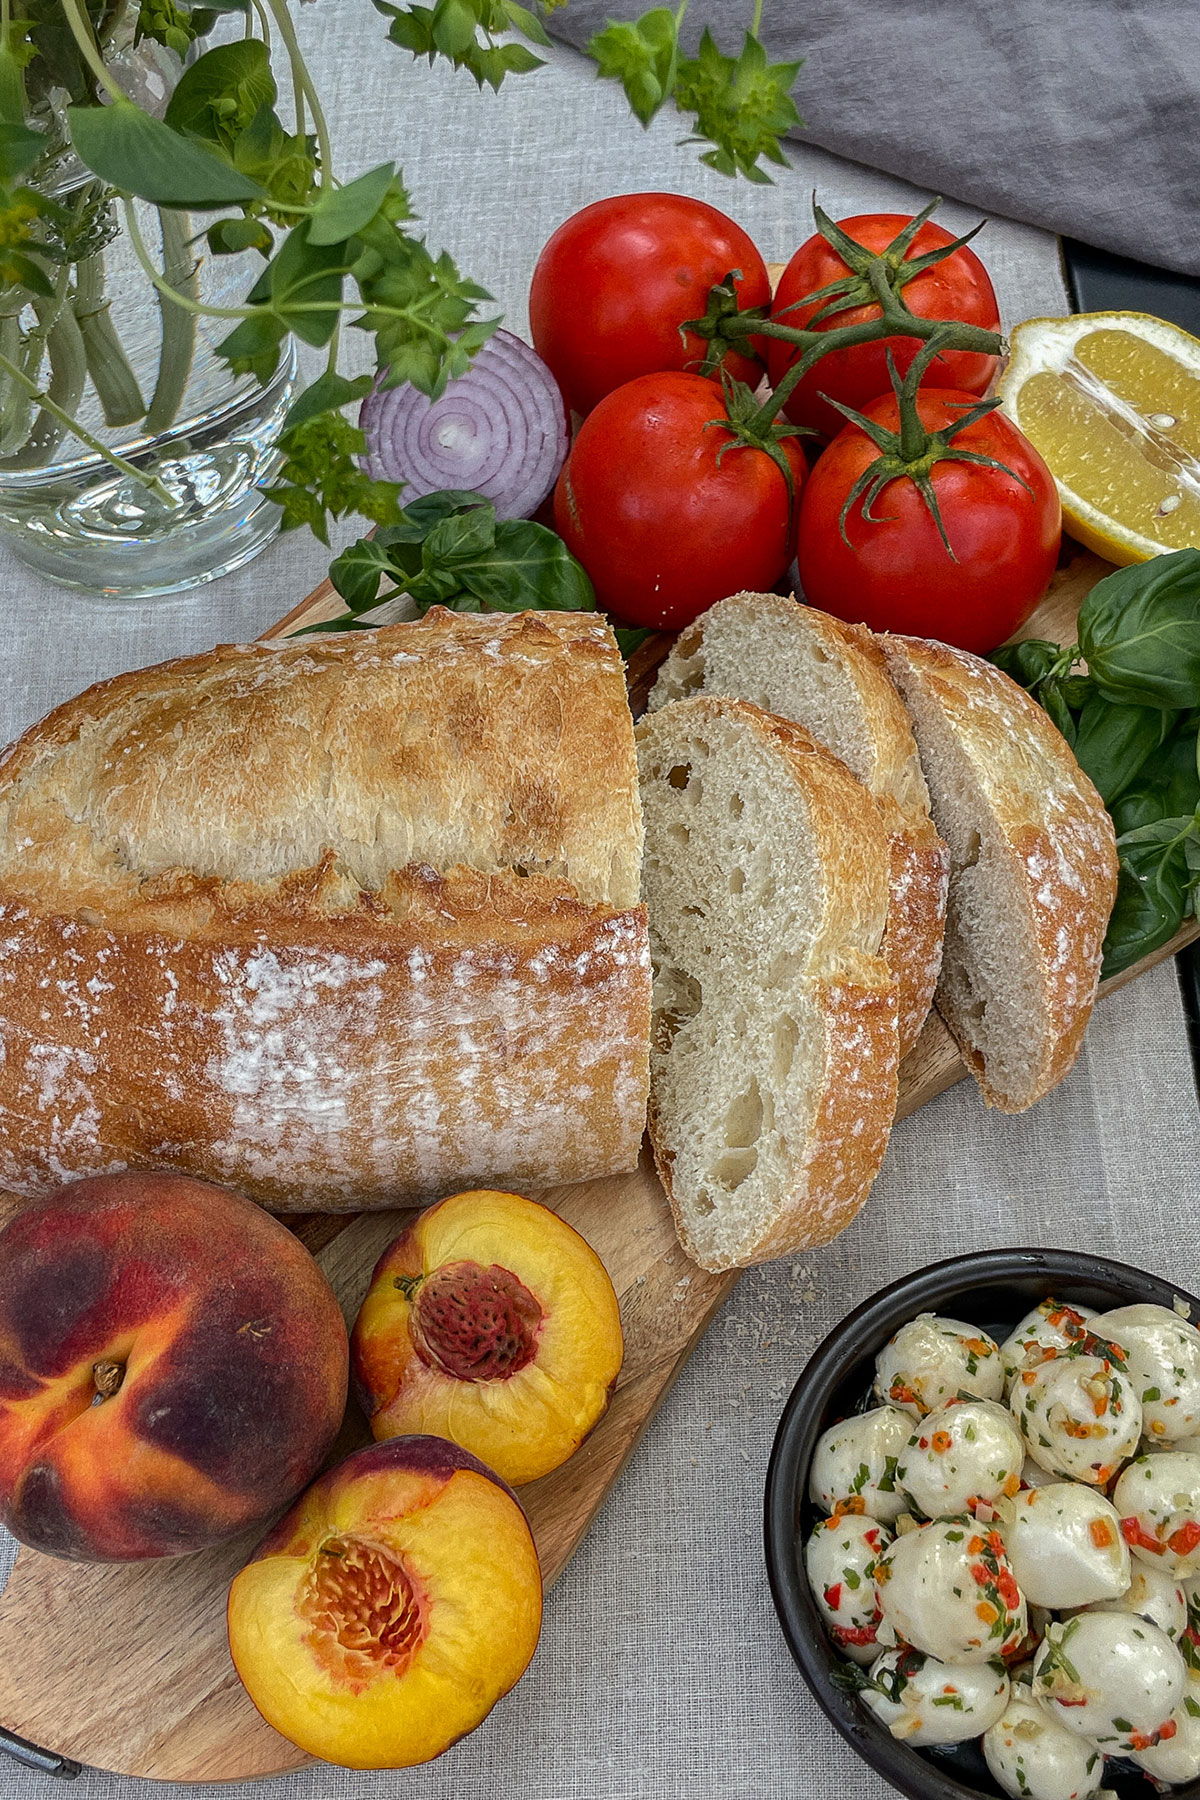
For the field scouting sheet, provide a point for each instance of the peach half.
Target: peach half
(391, 1608)
(492, 1323)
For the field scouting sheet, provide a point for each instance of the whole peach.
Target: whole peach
(173, 1368)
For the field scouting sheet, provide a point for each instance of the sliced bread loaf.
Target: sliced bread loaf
(831, 678)
(774, 1049)
(1033, 870)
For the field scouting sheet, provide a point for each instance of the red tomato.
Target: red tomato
(663, 528)
(615, 283)
(894, 574)
(958, 288)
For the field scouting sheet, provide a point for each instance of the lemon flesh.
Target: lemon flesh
(1112, 402)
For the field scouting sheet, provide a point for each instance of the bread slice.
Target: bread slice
(831, 678)
(1033, 872)
(774, 1049)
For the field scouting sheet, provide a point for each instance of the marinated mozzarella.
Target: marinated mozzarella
(1158, 1498)
(1152, 1595)
(1110, 1677)
(1033, 1757)
(1048, 1326)
(854, 1464)
(963, 1453)
(1078, 1413)
(948, 1589)
(839, 1560)
(1176, 1756)
(932, 1360)
(924, 1701)
(1065, 1546)
(1162, 1352)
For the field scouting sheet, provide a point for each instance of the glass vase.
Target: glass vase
(139, 373)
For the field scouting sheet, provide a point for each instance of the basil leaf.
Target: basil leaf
(357, 572)
(141, 155)
(530, 570)
(1055, 703)
(1154, 891)
(1139, 631)
(1028, 662)
(19, 149)
(1112, 742)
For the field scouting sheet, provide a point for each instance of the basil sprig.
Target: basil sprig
(1127, 699)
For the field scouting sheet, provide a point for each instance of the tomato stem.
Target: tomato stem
(912, 452)
(875, 278)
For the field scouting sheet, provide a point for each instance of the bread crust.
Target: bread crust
(317, 1037)
(1059, 837)
(919, 861)
(853, 985)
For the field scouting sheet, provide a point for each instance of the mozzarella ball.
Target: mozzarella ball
(1176, 1756)
(854, 1464)
(1032, 1476)
(1158, 1498)
(1152, 1595)
(1109, 1677)
(1078, 1415)
(1033, 1757)
(924, 1701)
(839, 1560)
(948, 1589)
(1162, 1352)
(932, 1360)
(1065, 1546)
(1048, 1326)
(968, 1451)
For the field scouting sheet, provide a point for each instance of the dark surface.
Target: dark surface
(993, 1289)
(1100, 282)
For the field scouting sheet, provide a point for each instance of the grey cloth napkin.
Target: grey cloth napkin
(1082, 116)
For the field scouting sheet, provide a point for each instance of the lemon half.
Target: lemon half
(1112, 401)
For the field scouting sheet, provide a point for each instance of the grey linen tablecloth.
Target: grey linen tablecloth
(661, 1673)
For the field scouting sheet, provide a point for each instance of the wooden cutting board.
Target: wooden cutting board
(127, 1668)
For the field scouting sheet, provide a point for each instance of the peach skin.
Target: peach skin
(173, 1368)
(391, 1608)
(492, 1323)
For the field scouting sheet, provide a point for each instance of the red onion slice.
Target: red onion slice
(500, 430)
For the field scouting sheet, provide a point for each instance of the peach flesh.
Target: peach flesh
(491, 1322)
(396, 1602)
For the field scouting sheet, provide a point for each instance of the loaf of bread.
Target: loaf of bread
(349, 921)
(1033, 872)
(775, 1051)
(831, 678)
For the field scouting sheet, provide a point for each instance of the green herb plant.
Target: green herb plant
(336, 247)
(1126, 696)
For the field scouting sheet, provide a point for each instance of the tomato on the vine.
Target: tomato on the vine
(894, 573)
(956, 288)
(617, 280)
(666, 509)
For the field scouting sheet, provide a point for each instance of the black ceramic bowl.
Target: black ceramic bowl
(994, 1289)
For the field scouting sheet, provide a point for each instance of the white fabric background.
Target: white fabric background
(661, 1671)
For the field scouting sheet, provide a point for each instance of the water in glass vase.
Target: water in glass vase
(138, 374)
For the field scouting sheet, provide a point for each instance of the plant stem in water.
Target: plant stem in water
(178, 324)
(16, 408)
(68, 377)
(50, 405)
(115, 383)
